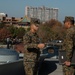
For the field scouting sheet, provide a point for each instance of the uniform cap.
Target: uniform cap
(36, 22)
(69, 18)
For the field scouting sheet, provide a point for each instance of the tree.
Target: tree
(4, 33)
(20, 32)
(17, 32)
(2, 25)
(13, 30)
(50, 30)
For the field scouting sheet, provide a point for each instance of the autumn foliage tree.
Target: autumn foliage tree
(4, 33)
(50, 30)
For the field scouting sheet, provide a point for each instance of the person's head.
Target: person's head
(34, 26)
(69, 21)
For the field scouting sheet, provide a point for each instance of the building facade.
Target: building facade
(42, 13)
(2, 16)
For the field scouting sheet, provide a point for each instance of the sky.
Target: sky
(16, 8)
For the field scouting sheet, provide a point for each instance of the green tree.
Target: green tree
(17, 32)
(13, 30)
(20, 32)
(2, 25)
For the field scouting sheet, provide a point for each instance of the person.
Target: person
(68, 45)
(32, 49)
(8, 42)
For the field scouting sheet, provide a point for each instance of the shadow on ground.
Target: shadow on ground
(47, 67)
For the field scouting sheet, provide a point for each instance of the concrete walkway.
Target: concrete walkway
(3, 46)
(51, 67)
(58, 71)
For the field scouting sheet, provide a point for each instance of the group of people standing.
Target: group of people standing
(11, 42)
(32, 48)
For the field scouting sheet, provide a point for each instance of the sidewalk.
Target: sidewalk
(3, 46)
(58, 71)
(51, 67)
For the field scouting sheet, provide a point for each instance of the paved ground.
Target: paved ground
(3, 46)
(58, 70)
(51, 67)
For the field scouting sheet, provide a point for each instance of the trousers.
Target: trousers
(31, 63)
(68, 70)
